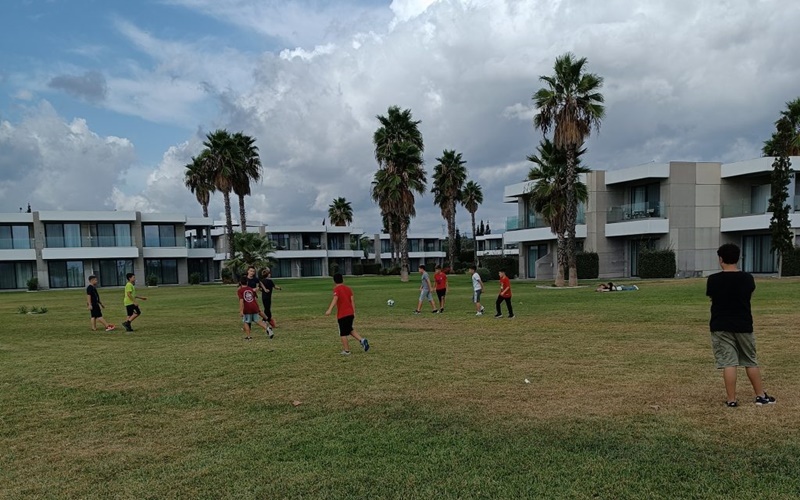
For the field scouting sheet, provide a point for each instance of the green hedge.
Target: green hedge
(495, 263)
(588, 264)
(657, 264)
(484, 274)
(358, 269)
(373, 268)
(790, 263)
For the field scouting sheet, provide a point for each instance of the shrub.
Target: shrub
(358, 269)
(466, 256)
(333, 268)
(227, 276)
(495, 263)
(373, 268)
(790, 263)
(393, 271)
(194, 278)
(657, 264)
(151, 280)
(22, 310)
(484, 274)
(33, 284)
(588, 264)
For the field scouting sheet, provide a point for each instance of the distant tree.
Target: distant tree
(449, 176)
(481, 229)
(488, 229)
(340, 212)
(571, 105)
(220, 160)
(776, 146)
(247, 169)
(199, 182)
(251, 249)
(782, 142)
(471, 199)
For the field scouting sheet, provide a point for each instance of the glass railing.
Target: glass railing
(86, 242)
(636, 211)
(743, 207)
(16, 243)
(199, 243)
(533, 222)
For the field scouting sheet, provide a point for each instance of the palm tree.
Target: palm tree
(548, 195)
(220, 160)
(248, 168)
(471, 198)
(252, 249)
(449, 176)
(340, 212)
(791, 117)
(398, 151)
(198, 181)
(394, 190)
(571, 105)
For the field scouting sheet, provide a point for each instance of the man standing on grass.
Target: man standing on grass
(131, 306)
(345, 305)
(731, 325)
(425, 291)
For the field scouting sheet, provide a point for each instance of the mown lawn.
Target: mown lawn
(623, 399)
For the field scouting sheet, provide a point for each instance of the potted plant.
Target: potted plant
(33, 284)
(151, 280)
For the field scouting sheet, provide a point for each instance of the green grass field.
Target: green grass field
(623, 399)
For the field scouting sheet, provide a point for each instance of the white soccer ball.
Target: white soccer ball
(390, 303)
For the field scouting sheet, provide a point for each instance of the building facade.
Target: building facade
(689, 207)
(423, 249)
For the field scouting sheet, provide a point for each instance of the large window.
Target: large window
(112, 272)
(199, 266)
(312, 241)
(162, 235)
(282, 269)
(16, 274)
(66, 273)
(62, 235)
(15, 237)
(645, 200)
(280, 241)
(311, 267)
(756, 255)
(110, 235)
(386, 246)
(166, 270)
(413, 245)
(336, 242)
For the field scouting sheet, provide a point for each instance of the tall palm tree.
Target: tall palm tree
(471, 198)
(570, 105)
(340, 212)
(791, 119)
(398, 150)
(220, 159)
(252, 249)
(248, 168)
(198, 181)
(548, 195)
(449, 176)
(395, 188)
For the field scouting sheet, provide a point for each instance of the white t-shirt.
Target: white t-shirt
(477, 284)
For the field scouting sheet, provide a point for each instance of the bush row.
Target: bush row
(790, 263)
(657, 264)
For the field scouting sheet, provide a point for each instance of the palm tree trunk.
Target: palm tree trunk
(242, 220)
(205, 210)
(403, 250)
(474, 241)
(228, 222)
(572, 215)
(561, 258)
(451, 235)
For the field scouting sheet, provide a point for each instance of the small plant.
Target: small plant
(194, 278)
(151, 280)
(42, 310)
(33, 284)
(22, 310)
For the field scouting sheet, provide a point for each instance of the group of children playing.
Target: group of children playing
(440, 279)
(130, 301)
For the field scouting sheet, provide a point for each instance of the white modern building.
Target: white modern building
(689, 207)
(422, 249)
(493, 245)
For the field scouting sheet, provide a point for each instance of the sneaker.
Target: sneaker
(270, 332)
(248, 338)
(365, 344)
(441, 310)
(731, 404)
(435, 311)
(511, 316)
(479, 313)
(345, 353)
(498, 315)
(482, 309)
(111, 328)
(765, 400)
(416, 312)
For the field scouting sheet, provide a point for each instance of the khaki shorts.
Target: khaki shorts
(734, 349)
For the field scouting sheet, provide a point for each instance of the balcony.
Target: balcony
(744, 207)
(16, 243)
(87, 242)
(515, 223)
(199, 243)
(636, 211)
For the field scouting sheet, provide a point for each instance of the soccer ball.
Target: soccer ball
(390, 303)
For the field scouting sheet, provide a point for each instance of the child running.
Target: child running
(345, 305)
(94, 304)
(477, 289)
(255, 284)
(505, 295)
(440, 278)
(267, 286)
(248, 309)
(131, 306)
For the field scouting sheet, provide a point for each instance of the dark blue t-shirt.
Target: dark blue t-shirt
(730, 293)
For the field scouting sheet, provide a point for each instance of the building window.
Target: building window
(112, 272)
(311, 267)
(66, 273)
(62, 235)
(166, 270)
(336, 242)
(159, 235)
(280, 241)
(312, 242)
(15, 237)
(110, 235)
(386, 246)
(413, 245)
(16, 274)
(282, 269)
(199, 266)
(756, 254)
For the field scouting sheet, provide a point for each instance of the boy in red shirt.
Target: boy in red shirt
(345, 305)
(505, 295)
(440, 278)
(248, 308)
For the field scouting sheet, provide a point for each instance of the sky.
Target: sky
(102, 104)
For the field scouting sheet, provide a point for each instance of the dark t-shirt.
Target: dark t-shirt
(253, 283)
(730, 293)
(268, 284)
(91, 291)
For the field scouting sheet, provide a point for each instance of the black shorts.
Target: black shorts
(441, 293)
(96, 312)
(346, 325)
(133, 308)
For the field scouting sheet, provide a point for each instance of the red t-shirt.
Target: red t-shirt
(505, 283)
(344, 306)
(441, 280)
(248, 295)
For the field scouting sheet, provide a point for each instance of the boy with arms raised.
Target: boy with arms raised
(731, 325)
(345, 305)
(131, 306)
(94, 305)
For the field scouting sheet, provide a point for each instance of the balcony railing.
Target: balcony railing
(86, 242)
(199, 243)
(747, 206)
(16, 243)
(533, 222)
(636, 211)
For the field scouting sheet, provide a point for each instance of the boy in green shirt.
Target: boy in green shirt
(131, 306)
